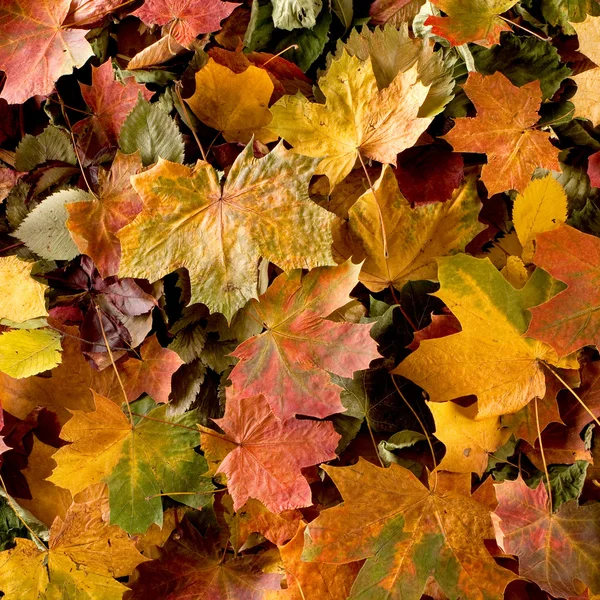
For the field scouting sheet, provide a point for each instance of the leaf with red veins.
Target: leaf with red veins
(85, 13)
(110, 101)
(571, 319)
(153, 373)
(93, 225)
(35, 48)
(262, 456)
(553, 549)
(187, 18)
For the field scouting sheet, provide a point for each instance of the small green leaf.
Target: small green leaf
(296, 14)
(154, 133)
(52, 144)
(24, 352)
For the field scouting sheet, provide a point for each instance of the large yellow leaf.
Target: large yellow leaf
(490, 357)
(588, 32)
(400, 243)
(357, 118)
(468, 442)
(234, 103)
(85, 556)
(586, 101)
(219, 232)
(21, 296)
(25, 352)
(541, 207)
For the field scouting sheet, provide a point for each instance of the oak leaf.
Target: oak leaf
(235, 104)
(94, 224)
(185, 19)
(468, 442)
(399, 243)
(358, 119)
(36, 47)
(471, 21)
(407, 533)
(262, 456)
(219, 233)
(84, 557)
(553, 549)
(155, 456)
(571, 319)
(490, 357)
(504, 130)
(289, 364)
(21, 296)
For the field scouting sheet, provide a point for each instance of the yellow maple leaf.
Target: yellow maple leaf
(357, 118)
(468, 442)
(234, 103)
(84, 557)
(400, 243)
(541, 207)
(21, 296)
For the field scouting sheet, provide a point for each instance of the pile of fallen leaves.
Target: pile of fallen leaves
(299, 299)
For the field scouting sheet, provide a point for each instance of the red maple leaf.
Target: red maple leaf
(262, 456)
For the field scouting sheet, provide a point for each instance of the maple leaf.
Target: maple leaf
(507, 135)
(475, 21)
(185, 18)
(289, 364)
(84, 557)
(217, 233)
(468, 442)
(110, 102)
(399, 243)
(553, 549)
(541, 207)
(234, 103)
(36, 48)
(153, 373)
(94, 224)
(570, 320)
(357, 118)
(490, 357)
(314, 581)
(407, 533)
(262, 456)
(137, 463)
(21, 296)
(192, 565)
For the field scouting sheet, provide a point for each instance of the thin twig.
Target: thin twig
(539, 432)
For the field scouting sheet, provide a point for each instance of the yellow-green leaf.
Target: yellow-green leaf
(25, 352)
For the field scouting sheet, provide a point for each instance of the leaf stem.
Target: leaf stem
(188, 121)
(165, 422)
(223, 489)
(294, 46)
(533, 33)
(539, 432)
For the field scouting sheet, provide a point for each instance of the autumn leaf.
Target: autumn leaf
(471, 21)
(490, 357)
(110, 102)
(541, 207)
(27, 352)
(587, 33)
(94, 224)
(219, 233)
(185, 19)
(289, 364)
(407, 533)
(21, 296)
(357, 118)
(586, 99)
(570, 320)
(313, 581)
(193, 565)
(553, 549)
(84, 556)
(513, 147)
(157, 455)
(399, 243)
(469, 442)
(235, 104)
(262, 456)
(50, 50)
